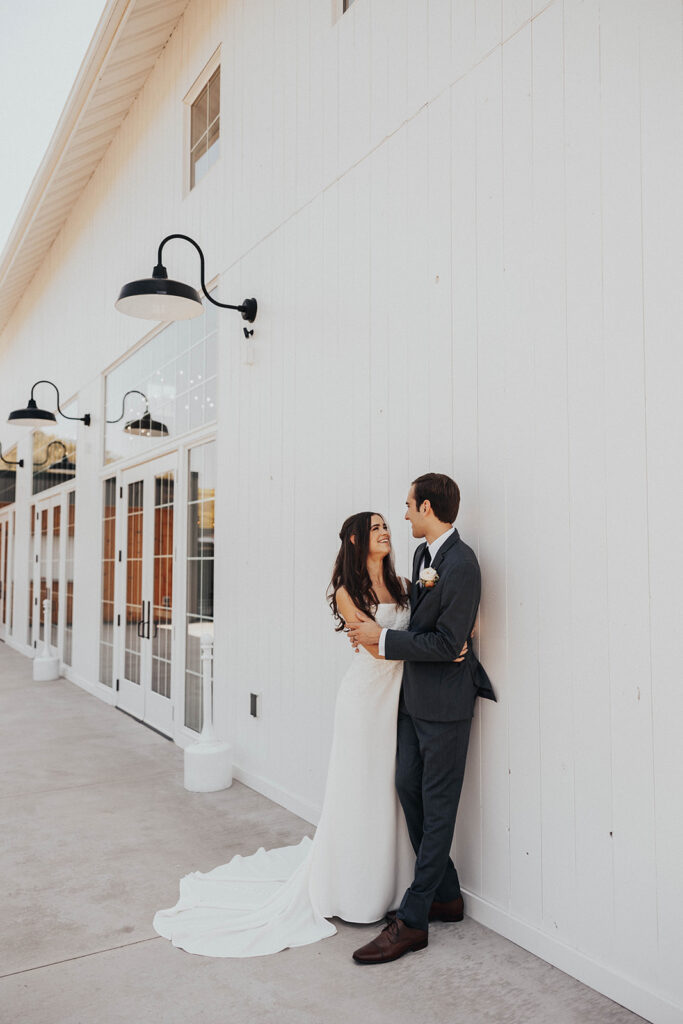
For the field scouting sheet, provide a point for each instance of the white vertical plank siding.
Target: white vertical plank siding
(415, 252)
(491, 513)
(463, 35)
(468, 846)
(397, 45)
(661, 81)
(439, 66)
(461, 221)
(354, 85)
(400, 346)
(380, 349)
(515, 14)
(416, 69)
(436, 327)
(589, 657)
(488, 20)
(518, 682)
(551, 490)
(634, 864)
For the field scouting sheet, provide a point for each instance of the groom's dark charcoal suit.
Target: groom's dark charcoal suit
(435, 713)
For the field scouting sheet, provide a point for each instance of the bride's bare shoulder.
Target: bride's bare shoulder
(347, 609)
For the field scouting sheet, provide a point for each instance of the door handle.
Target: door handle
(141, 623)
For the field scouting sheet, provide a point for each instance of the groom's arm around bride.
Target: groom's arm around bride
(435, 686)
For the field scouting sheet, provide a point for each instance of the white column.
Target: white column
(208, 762)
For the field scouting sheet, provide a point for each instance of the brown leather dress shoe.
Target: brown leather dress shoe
(394, 941)
(453, 910)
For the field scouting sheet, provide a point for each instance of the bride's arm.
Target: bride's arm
(350, 613)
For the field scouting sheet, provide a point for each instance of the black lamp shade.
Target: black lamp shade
(64, 467)
(157, 298)
(31, 416)
(146, 427)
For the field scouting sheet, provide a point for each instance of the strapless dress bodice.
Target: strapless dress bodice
(390, 616)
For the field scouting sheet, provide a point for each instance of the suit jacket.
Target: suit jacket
(435, 688)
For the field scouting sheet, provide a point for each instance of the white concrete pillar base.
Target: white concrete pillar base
(208, 767)
(45, 669)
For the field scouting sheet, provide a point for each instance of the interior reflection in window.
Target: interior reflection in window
(200, 563)
(176, 373)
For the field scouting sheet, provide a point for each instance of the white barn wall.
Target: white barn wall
(458, 220)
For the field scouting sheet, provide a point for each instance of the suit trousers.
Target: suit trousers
(430, 766)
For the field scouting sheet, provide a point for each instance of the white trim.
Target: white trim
(203, 77)
(586, 970)
(107, 694)
(199, 435)
(20, 648)
(290, 801)
(190, 96)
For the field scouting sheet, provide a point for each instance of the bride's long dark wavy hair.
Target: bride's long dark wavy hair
(351, 569)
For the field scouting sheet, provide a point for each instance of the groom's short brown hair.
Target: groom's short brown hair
(442, 493)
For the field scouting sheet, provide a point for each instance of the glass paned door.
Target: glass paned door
(6, 572)
(146, 636)
(47, 562)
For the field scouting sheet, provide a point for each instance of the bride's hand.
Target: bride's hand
(461, 656)
(360, 617)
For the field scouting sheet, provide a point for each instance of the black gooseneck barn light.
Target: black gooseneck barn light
(63, 466)
(145, 426)
(32, 416)
(7, 462)
(158, 298)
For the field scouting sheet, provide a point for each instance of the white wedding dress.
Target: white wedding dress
(357, 867)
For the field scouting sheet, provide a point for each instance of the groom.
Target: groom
(435, 711)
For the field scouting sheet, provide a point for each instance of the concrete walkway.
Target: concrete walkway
(97, 830)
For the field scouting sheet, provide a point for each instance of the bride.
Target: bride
(361, 861)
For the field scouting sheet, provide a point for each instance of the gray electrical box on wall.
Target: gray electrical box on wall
(254, 704)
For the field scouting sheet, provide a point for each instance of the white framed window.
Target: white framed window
(203, 121)
(201, 494)
(175, 376)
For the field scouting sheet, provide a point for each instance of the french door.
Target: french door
(6, 572)
(51, 577)
(146, 638)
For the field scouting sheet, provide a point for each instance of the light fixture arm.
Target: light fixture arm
(52, 445)
(247, 308)
(7, 462)
(81, 419)
(134, 391)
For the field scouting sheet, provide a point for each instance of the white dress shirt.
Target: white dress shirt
(433, 549)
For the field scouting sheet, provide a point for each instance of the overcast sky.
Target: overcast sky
(42, 44)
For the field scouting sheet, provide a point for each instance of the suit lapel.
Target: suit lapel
(414, 589)
(443, 550)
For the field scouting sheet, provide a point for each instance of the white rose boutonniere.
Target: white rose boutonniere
(429, 577)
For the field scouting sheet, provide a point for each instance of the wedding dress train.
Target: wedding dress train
(356, 868)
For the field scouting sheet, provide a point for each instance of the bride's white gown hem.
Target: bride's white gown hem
(356, 868)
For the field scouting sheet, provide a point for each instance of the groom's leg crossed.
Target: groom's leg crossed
(444, 751)
(409, 777)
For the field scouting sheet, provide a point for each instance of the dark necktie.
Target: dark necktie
(427, 559)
